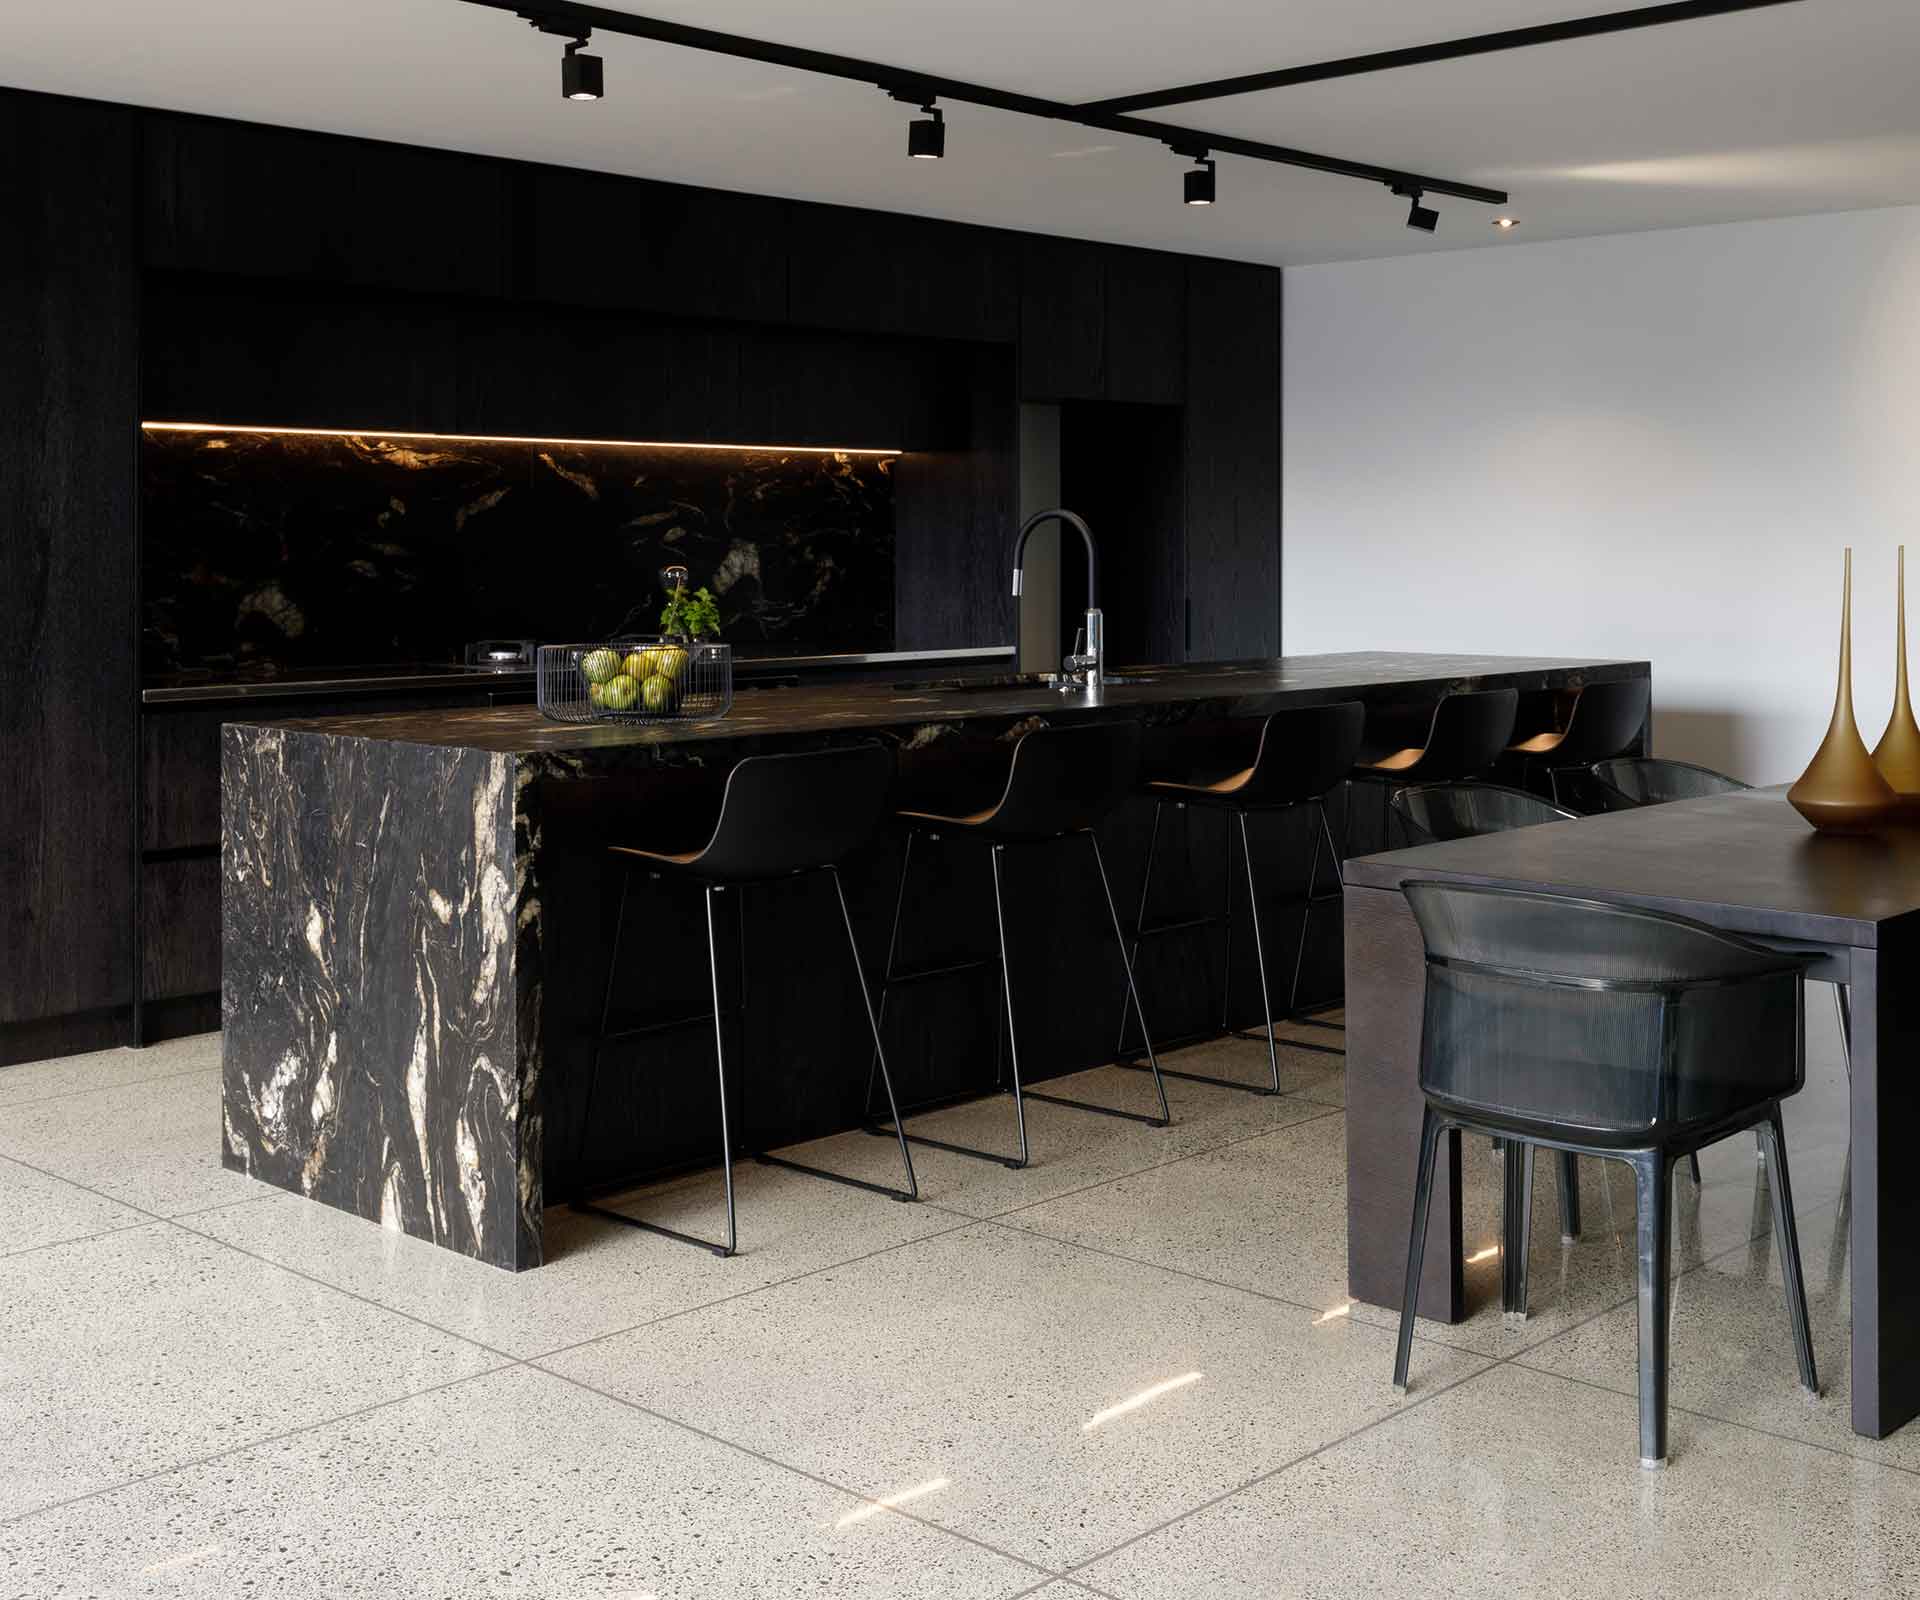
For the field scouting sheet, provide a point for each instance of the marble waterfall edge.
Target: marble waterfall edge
(381, 1044)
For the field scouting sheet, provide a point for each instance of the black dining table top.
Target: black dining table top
(1744, 861)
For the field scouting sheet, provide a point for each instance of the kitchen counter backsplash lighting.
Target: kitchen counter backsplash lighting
(302, 548)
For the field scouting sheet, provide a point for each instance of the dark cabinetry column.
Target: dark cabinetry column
(1233, 460)
(68, 371)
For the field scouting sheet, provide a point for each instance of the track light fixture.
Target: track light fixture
(1424, 218)
(581, 77)
(927, 136)
(1199, 182)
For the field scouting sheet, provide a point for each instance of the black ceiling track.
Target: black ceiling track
(1417, 55)
(923, 86)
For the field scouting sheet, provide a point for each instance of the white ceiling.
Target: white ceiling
(1804, 107)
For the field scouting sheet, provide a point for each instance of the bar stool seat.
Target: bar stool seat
(1606, 719)
(1300, 755)
(1062, 783)
(780, 817)
(1466, 735)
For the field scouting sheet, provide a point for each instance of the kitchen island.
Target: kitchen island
(416, 918)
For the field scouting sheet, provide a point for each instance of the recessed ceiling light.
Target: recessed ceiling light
(1506, 224)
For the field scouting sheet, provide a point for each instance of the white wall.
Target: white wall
(1649, 445)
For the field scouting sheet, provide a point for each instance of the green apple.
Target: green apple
(657, 694)
(639, 665)
(670, 661)
(600, 665)
(597, 694)
(620, 693)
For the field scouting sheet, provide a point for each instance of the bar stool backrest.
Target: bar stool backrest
(1433, 811)
(1624, 1024)
(1304, 751)
(1606, 718)
(1468, 733)
(1648, 782)
(791, 813)
(1067, 779)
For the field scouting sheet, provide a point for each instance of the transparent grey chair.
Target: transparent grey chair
(1431, 812)
(1629, 784)
(1614, 1032)
(1644, 781)
(1435, 811)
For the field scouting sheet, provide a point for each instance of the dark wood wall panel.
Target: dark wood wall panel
(1146, 332)
(883, 274)
(1063, 320)
(180, 928)
(954, 517)
(598, 240)
(273, 202)
(68, 384)
(1233, 460)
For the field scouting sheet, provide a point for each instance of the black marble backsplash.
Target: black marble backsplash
(265, 551)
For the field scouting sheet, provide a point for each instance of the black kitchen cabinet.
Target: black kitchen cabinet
(870, 272)
(1146, 327)
(1233, 461)
(1063, 320)
(237, 198)
(68, 388)
(606, 241)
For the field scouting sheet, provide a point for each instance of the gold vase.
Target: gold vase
(1897, 755)
(1842, 790)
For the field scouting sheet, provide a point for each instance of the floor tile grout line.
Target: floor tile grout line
(254, 1444)
(107, 1088)
(81, 1238)
(351, 1294)
(1413, 1404)
(1718, 1421)
(1491, 1363)
(1172, 1161)
(1050, 1573)
(960, 1226)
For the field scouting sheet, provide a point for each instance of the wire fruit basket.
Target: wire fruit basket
(637, 680)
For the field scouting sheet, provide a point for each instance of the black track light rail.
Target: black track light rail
(553, 15)
(1419, 55)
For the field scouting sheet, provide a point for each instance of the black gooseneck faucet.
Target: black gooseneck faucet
(1087, 669)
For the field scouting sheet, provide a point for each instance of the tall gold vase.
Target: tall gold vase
(1842, 790)
(1897, 755)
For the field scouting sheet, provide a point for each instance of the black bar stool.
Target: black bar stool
(1606, 718)
(781, 816)
(1615, 1032)
(1062, 784)
(1466, 736)
(1299, 757)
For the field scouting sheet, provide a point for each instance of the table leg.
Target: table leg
(1885, 1230)
(1386, 988)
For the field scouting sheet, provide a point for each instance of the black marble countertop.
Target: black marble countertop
(1230, 687)
(212, 688)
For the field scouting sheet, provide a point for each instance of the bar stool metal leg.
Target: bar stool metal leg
(1431, 1127)
(912, 1190)
(599, 1042)
(1006, 988)
(1653, 1189)
(1787, 1237)
(1333, 855)
(1140, 918)
(1260, 956)
(886, 980)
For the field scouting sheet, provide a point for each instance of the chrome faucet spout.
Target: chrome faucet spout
(1093, 662)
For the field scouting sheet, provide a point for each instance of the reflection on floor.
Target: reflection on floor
(1130, 1370)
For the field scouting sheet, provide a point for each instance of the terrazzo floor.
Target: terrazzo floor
(1131, 1371)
